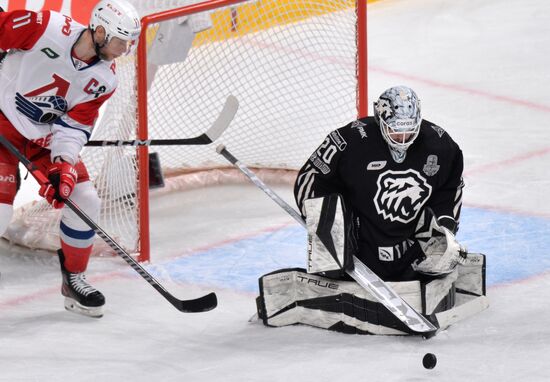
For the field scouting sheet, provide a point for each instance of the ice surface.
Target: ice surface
(481, 70)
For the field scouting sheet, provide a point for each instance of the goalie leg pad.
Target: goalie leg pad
(292, 296)
(471, 275)
(332, 235)
(470, 292)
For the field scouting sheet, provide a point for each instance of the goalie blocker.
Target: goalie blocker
(327, 300)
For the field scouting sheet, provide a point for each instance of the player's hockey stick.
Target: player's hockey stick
(201, 304)
(214, 132)
(365, 277)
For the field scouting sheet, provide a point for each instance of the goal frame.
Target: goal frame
(144, 245)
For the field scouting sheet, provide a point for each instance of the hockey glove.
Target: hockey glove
(62, 178)
(41, 109)
(442, 252)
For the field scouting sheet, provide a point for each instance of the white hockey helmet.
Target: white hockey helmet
(397, 112)
(119, 18)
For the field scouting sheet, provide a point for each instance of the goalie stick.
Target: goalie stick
(364, 276)
(201, 304)
(214, 132)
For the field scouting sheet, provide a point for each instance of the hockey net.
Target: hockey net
(294, 65)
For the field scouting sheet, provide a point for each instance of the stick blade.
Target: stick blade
(197, 305)
(380, 290)
(224, 119)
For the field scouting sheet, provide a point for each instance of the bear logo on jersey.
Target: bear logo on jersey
(401, 195)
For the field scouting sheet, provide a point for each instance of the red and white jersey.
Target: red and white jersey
(40, 63)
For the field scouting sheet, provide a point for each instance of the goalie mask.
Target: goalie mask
(397, 112)
(119, 18)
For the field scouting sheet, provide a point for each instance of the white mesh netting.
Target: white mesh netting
(292, 66)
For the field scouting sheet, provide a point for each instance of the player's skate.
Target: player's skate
(80, 297)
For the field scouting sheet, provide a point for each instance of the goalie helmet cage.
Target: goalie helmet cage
(297, 67)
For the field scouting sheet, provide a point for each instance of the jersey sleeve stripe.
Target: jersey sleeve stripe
(458, 200)
(82, 128)
(305, 183)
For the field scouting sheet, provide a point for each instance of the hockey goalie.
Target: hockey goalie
(386, 190)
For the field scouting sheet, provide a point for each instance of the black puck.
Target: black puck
(429, 361)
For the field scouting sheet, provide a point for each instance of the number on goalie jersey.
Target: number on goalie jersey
(388, 174)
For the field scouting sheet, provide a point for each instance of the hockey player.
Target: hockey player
(396, 179)
(388, 168)
(54, 79)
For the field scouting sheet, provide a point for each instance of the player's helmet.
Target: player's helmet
(397, 112)
(119, 18)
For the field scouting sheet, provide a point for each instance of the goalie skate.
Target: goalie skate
(80, 297)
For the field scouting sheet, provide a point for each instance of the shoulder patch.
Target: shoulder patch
(438, 130)
(431, 167)
(338, 140)
(360, 127)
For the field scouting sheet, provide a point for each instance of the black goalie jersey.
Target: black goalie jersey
(389, 197)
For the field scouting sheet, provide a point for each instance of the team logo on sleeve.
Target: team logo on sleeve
(401, 195)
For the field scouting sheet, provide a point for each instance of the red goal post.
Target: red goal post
(297, 67)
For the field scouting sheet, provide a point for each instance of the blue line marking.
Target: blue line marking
(238, 265)
(516, 247)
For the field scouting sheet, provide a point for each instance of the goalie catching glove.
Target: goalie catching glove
(442, 252)
(62, 178)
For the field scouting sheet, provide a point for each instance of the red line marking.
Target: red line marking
(463, 89)
(507, 162)
(508, 210)
(526, 280)
(345, 62)
(16, 301)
